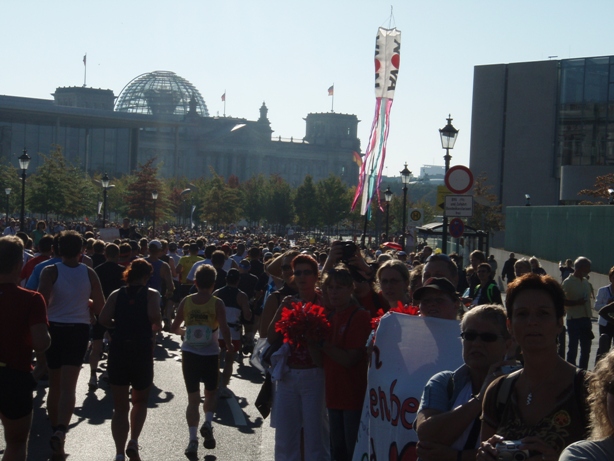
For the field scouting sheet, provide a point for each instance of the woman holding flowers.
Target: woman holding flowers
(343, 355)
(299, 398)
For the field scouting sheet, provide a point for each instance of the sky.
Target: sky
(288, 53)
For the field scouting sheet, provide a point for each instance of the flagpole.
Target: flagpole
(332, 104)
(224, 102)
(85, 70)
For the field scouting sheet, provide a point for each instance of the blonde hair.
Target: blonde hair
(600, 424)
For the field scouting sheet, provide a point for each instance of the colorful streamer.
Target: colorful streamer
(387, 60)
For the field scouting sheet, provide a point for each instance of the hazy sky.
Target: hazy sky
(287, 54)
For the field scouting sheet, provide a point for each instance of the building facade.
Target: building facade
(543, 129)
(161, 115)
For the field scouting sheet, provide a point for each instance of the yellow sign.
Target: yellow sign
(442, 191)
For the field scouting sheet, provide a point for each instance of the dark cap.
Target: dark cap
(233, 276)
(436, 283)
(245, 264)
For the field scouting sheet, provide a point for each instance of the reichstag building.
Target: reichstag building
(162, 115)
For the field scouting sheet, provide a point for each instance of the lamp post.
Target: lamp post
(527, 200)
(105, 186)
(448, 136)
(154, 196)
(24, 162)
(405, 175)
(610, 191)
(7, 191)
(388, 197)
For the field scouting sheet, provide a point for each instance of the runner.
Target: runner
(131, 312)
(67, 288)
(204, 316)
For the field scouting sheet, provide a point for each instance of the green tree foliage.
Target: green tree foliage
(306, 204)
(255, 193)
(280, 207)
(222, 203)
(9, 178)
(487, 213)
(60, 188)
(140, 186)
(602, 185)
(333, 200)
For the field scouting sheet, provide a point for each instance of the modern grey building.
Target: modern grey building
(162, 115)
(543, 129)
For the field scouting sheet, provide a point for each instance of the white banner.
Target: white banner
(387, 60)
(408, 351)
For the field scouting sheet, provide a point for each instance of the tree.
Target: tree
(140, 186)
(487, 213)
(280, 207)
(306, 204)
(9, 178)
(60, 188)
(222, 203)
(255, 193)
(333, 200)
(602, 185)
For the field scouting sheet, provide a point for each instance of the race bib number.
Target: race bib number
(198, 335)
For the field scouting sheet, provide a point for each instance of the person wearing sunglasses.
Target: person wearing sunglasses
(600, 446)
(300, 396)
(448, 420)
(543, 405)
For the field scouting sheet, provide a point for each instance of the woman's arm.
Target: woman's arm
(108, 311)
(268, 312)
(178, 320)
(96, 294)
(220, 312)
(153, 309)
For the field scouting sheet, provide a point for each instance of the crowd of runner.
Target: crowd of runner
(225, 293)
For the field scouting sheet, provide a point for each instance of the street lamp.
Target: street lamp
(7, 191)
(388, 197)
(527, 199)
(105, 186)
(405, 175)
(154, 196)
(448, 136)
(24, 162)
(610, 191)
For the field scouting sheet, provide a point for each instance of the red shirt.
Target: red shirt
(26, 271)
(345, 387)
(19, 310)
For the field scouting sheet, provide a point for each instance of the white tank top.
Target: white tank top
(70, 295)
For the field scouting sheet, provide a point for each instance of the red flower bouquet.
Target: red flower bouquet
(400, 308)
(301, 324)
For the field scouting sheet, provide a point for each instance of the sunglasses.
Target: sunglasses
(486, 337)
(305, 272)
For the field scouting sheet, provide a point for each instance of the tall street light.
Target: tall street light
(7, 191)
(405, 175)
(24, 162)
(388, 197)
(610, 192)
(154, 196)
(105, 186)
(448, 136)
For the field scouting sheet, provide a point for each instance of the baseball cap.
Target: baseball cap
(436, 283)
(155, 244)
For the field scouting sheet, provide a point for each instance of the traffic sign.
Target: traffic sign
(459, 205)
(442, 191)
(459, 179)
(416, 217)
(457, 228)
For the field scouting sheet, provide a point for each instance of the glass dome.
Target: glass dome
(160, 93)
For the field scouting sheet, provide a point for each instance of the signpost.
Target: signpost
(457, 228)
(459, 205)
(459, 179)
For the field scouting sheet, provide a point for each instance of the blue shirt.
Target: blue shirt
(36, 273)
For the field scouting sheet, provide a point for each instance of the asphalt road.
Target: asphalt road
(239, 429)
